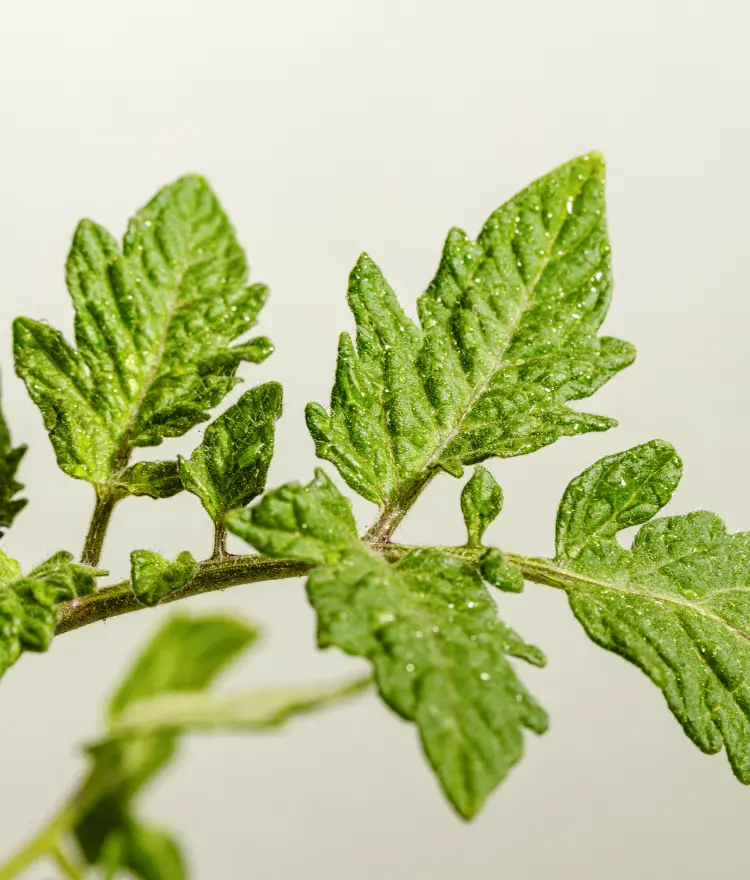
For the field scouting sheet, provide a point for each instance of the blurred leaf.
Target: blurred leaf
(184, 656)
(192, 712)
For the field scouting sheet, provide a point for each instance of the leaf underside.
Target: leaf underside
(154, 323)
(428, 626)
(676, 604)
(507, 337)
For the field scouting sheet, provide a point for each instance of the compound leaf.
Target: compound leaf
(676, 604)
(230, 466)
(428, 626)
(153, 326)
(507, 337)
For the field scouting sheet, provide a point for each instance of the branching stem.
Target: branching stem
(218, 574)
(46, 842)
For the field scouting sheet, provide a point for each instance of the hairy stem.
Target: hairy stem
(92, 548)
(212, 575)
(392, 513)
(218, 574)
(220, 541)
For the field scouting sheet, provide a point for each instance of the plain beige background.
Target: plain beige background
(330, 127)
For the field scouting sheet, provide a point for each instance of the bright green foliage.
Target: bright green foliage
(428, 626)
(481, 502)
(312, 523)
(184, 656)
(152, 577)
(508, 337)
(230, 466)
(619, 491)
(10, 458)
(28, 605)
(501, 573)
(153, 326)
(677, 604)
(158, 479)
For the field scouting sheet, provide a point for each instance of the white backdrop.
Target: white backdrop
(327, 128)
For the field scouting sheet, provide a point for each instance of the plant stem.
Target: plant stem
(66, 863)
(391, 514)
(218, 574)
(220, 541)
(212, 575)
(92, 548)
(45, 842)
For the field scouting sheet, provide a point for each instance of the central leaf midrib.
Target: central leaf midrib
(481, 388)
(446, 665)
(125, 448)
(577, 548)
(573, 580)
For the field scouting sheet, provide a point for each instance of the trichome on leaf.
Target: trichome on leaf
(507, 338)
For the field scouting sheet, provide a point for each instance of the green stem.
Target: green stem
(218, 574)
(66, 863)
(392, 513)
(46, 842)
(214, 574)
(92, 548)
(220, 541)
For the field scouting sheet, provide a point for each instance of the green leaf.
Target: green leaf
(28, 605)
(192, 712)
(311, 523)
(617, 492)
(481, 502)
(500, 572)
(676, 604)
(184, 656)
(507, 337)
(10, 458)
(153, 326)
(230, 466)
(427, 624)
(147, 852)
(158, 479)
(153, 577)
